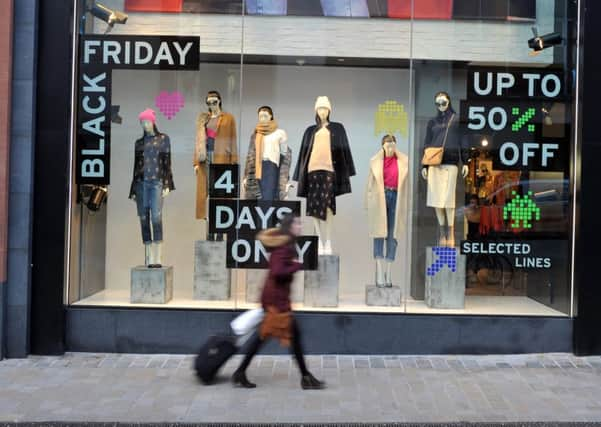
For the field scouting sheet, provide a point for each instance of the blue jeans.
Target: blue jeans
(270, 181)
(345, 8)
(390, 241)
(267, 7)
(149, 200)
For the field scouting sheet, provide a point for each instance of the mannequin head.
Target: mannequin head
(213, 101)
(148, 121)
(442, 101)
(389, 145)
(265, 114)
(323, 109)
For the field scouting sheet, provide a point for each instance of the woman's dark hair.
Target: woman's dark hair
(388, 136)
(286, 224)
(215, 94)
(268, 109)
(318, 119)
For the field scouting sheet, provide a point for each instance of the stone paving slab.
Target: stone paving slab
(361, 389)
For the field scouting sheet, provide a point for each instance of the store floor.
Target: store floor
(475, 304)
(127, 388)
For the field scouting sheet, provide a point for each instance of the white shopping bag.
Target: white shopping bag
(247, 322)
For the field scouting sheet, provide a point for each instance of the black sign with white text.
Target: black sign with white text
(98, 56)
(223, 181)
(509, 113)
(241, 220)
(521, 254)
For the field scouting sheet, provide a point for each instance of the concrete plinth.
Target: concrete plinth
(255, 280)
(212, 280)
(445, 278)
(321, 285)
(383, 297)
(151, 285)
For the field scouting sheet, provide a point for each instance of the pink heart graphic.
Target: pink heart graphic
(170, 103)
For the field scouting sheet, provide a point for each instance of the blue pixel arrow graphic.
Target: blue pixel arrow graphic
(445, 256)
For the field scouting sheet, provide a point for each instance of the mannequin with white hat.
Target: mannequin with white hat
(323, 170)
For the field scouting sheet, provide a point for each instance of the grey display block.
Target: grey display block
(445, 278)
(212, 280)
(255, 280)
(151, 285)
(383, 297)
(321, 285)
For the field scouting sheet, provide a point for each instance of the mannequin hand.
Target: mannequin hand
(464, 171)
(165, 191)
(425, 173)
(196, 169)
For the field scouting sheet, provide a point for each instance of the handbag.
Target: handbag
(433, 155)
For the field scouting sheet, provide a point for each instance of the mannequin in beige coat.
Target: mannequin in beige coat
(386, 204)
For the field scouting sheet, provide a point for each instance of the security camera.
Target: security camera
(538, 43)
(111, 17)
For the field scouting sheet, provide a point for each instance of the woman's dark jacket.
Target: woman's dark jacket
(456, 147)
(342, 159)
(282, 266)
(165, 175)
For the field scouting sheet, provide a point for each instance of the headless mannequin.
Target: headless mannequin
(445, 216)
(323, 229)
(153, 252)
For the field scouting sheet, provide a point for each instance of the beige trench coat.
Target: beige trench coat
(375, 201)
(225, 152)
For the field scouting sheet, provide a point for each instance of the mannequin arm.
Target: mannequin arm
(464, 171)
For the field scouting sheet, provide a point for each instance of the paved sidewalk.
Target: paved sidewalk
(162, 388)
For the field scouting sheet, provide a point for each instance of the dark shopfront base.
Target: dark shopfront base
(120, 330)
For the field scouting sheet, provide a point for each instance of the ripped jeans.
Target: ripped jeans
(149, 200)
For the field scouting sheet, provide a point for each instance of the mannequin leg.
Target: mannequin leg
(158, 254)
(317, 226)
(328, 232)
(388, 274)
(148, 254)
(380, 280)
(442, 232)
(450, 214)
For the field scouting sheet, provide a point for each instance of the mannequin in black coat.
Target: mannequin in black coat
(338, 160)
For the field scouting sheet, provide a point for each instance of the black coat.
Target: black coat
(455, 149)
(342, 159)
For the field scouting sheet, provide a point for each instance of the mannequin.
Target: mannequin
(323, 171)
(152, 181)
(215, 144)
(268, 161)
(386, 204)
(442, 179)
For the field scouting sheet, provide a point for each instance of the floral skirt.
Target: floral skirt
(320, 194)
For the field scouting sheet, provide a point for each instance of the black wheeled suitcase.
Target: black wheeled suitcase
(213, 355)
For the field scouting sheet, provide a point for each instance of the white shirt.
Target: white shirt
(274, 145)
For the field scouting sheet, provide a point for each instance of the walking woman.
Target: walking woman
(279, 322)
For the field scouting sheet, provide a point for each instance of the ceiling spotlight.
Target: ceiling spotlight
(111, 17)
(484, 142)
(537, 44)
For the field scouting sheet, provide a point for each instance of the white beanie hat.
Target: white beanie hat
(323, 101)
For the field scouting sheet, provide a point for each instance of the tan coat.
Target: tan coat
(226, 152)
(375, 202)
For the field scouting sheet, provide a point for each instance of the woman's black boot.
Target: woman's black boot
(309, 382)
(239, 379)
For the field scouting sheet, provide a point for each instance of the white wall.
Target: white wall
(291, 91)
(371, 38)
